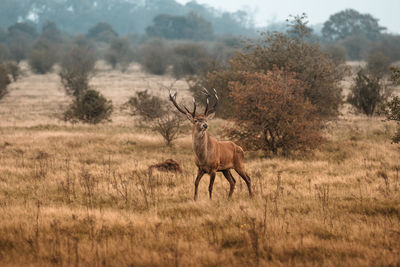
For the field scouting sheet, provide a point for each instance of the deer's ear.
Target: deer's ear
(190, 118)
(211, 116)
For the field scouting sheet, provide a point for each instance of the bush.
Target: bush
(292, 52)
(272, 113)
(120, 53)
(155, 57)
(337, 52)
(76, 67)
(367, 92)
(90, 107)
(147, 106)
(393, 107)
(13, 69)
(378, 64)
(190, 59)
(42, 57)
(158, 114)
(4, 80)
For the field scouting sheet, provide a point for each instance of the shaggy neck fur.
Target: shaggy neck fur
(200, 144)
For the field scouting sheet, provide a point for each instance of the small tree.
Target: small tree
(155, 57)
(42, 57)
(76, 67)
(158, 114)
(272, 113)
(90, 107)
(120, 53)
(367, 92)
(190, 59)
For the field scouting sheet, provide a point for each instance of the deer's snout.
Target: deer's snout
(205, 125)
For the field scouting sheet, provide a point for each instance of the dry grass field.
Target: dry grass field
(82, 195)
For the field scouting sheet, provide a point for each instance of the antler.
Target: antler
(173, 100)
(209, 111)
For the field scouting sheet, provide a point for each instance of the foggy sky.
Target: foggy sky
(265, 11)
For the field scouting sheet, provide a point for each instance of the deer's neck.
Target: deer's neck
(201, 145)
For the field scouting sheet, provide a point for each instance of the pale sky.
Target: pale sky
(264, 11)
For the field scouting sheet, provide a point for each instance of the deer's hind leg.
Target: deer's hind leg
(242, 172)
(210, 187)
(231, 180)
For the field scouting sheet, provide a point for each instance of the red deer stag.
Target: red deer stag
(212, 156)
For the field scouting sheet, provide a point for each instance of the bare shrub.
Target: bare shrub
(155, 57)
(158, 114)
(272, 114)
(90, 107)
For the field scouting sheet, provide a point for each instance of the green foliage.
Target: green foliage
(356, 46)
(157, 112)
(102, 32)
(272, 114)
(191, 27)
(147, 106)
(42, 57)
(367, 92)
(155, 56)
(76, 67)
(4, 80)
(349, 22)
(120, 53)
(90, 107)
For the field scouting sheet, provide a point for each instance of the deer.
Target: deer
(211, 155)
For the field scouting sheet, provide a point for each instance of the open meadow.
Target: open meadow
(82, 195)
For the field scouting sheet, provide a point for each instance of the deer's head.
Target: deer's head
(199, 121)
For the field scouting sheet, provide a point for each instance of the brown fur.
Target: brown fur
(213, 156)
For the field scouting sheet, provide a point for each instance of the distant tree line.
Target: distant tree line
(77, 16)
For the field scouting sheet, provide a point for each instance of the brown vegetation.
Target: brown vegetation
(82, 195)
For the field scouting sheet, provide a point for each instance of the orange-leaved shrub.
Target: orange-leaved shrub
(272, 113)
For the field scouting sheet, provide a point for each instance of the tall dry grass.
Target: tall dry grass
(82, 195)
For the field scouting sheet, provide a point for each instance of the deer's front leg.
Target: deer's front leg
(200, 174)
(210, 187)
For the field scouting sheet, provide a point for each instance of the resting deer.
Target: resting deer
(212, 156)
